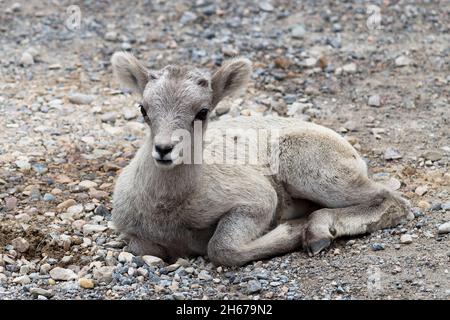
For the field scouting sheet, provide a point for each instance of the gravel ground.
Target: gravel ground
(67, 132)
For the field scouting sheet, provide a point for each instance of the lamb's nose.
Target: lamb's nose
(163, 149)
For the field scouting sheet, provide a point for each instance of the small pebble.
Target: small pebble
(41, 292)
(86, 283)
(80, 98)
(374, 101)
(421, 190)
(253, 286)
(444, 228)
(63, 274)
(125, 257)
(402, 61)
(392, 154)
(406, 239)
(20, 244)
(49, 197)
(377, 246)
(153, 261)
(26, 59)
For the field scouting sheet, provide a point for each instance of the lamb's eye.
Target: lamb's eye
(144, 113)
(202, 114)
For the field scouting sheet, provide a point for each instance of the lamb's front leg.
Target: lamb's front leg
(143, 247)
(241, 236)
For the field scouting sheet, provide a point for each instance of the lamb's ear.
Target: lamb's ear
(129, 71)
(233, 75)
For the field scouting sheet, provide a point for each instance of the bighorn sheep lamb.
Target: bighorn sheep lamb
(236, 213)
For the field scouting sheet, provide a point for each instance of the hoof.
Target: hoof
(315, 247)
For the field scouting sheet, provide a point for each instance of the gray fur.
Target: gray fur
(236, 213)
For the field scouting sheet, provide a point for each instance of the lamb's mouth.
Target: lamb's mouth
(163, 162)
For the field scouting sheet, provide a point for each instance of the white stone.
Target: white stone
(374, 101)
(310, 62)
(3, 278)
(62, 274)
(88, 184)
(421, 190)
(298, 32)
(402, 61)
(204, 275)
(406, 239)
(26, 59)
(350, 68)
(129, 113)
(444, 228)
(111, 36)
(80, 98)
(222, 109)
(392, 154)
(23, 280)
(153, 261)
(266, 6)
(23, 164)
(76, 209)
(93, 228)
(104, 274)
(125, 257)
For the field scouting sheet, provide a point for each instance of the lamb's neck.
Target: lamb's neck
(164, 185)
(176, 183)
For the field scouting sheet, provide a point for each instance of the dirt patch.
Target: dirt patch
(42, 243)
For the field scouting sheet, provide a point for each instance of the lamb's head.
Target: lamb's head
(176, 99)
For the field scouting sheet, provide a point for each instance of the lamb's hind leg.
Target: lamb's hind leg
(240, 238)
(318, 165)
(385, 210)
